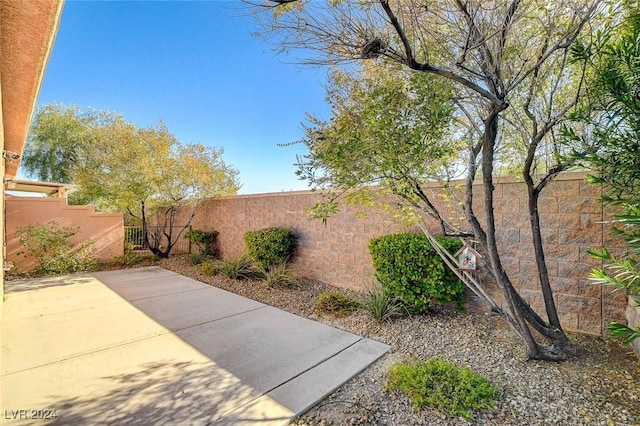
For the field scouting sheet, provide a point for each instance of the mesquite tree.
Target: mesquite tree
(513, 85)
(147, 174)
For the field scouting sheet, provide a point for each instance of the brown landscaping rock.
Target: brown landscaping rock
(600, 387)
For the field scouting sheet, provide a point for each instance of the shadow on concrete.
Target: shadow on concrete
(151, 347)
(162, 393)
(46, 282)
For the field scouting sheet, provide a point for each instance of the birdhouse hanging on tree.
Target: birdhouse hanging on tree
(467, 258)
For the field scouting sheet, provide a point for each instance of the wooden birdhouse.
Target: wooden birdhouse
(467, 258)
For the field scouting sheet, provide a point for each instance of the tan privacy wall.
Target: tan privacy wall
(571, 215)
(106, 230)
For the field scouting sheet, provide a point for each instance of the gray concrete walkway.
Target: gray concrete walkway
(148, 346)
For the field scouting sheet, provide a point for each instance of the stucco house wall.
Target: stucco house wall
(106, 230)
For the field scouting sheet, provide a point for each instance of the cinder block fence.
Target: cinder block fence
(571, 214)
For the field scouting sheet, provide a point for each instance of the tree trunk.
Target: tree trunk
(520, 310)
(145, 232)
(556, 335)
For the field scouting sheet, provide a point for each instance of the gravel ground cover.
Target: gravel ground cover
(600, 387)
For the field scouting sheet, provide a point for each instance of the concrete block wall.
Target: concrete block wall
(573, 221)
(633, 314)
(571, 216)
(336, 253)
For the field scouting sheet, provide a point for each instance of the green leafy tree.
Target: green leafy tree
(389, 133)
(148, 174)
(613, 152)
(55, 138)
(512, 87)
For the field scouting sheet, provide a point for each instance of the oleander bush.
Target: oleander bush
(456, 391)
(269, 246)
(409, 268)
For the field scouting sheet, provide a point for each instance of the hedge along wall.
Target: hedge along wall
(571, 215)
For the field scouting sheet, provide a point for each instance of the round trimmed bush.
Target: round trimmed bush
(409, 268)
(269, 246)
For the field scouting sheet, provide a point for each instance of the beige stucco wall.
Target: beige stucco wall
(106, 230)
(2, 219)
(27, 33)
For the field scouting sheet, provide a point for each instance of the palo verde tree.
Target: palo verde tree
(148, 174)
(512, 85)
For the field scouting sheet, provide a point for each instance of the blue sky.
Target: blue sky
(197, 66)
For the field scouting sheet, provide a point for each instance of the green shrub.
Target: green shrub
(129, 257)
(335, 302)
(204, 240)
(269, 246)
(279, 275)
(456, 391)
(199, 258)
(242, 267)
(381, 305)
(409, 268)
(53, 250)
(210, 267)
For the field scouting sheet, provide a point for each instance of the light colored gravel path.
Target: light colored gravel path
(601, 387)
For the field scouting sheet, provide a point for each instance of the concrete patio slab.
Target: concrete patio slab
(56, 337)
(53, 296)
(140, 283)
(285, 346)
(149, 382)
(148, 346)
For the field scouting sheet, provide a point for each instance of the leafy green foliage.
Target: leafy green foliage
(199, 258)
(380, 304)
(624, 332)
(622, 272)
(409, 268)
(269, 246)
(53, 250)
(55, 139)
(335, 302)
(613, 148)
(147, 174)
(205, 240)
(611, 141)
(211, 267)
(130, 257)
(456, 391)
(389, 128)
